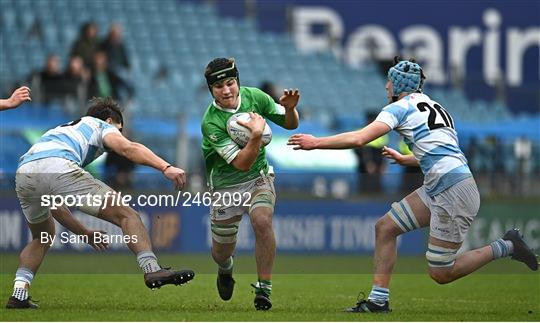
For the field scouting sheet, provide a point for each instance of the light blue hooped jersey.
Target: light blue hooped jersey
(80, 141)
(428, 129)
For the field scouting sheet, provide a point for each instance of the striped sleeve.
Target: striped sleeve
(392, 115)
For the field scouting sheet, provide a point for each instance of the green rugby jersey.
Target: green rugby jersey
(219, 150)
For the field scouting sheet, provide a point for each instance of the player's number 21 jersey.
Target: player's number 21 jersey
(428, 129)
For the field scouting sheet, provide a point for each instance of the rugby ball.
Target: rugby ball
(240, 134)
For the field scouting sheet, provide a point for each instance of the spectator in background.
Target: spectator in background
(48, 81)
(371, 164)
(87, 44)
(114, 47)
(18, 97)
(270, 89)
(76, 78)
(76, 71)
(104, 82)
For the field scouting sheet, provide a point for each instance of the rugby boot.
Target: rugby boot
(17, 303)
(522, 252)
(262, 300)
(366, 306)
(166, 276)
(225, 286)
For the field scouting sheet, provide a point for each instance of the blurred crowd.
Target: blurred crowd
(94, 69)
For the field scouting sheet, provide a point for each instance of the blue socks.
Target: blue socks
(502, 248)
(379, 295)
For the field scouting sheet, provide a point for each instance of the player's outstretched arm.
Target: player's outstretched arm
(247, 156)
(345, 140)
(63, 215)
(140, 154)
(19, 96)
(404, 160)
(289, 100)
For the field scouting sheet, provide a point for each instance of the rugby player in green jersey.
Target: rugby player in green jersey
(244, 172)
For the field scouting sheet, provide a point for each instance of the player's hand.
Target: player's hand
(177, 176)
(304, 142)
(289, 99)
(392, 155)
(255, 124)
(19, 96)
(98, 246)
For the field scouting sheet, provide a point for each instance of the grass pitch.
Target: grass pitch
(89, 287)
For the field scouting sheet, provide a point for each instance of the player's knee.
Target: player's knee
(385, 228)
(441, 262)
(441, 276)
(123, 213)
(381, 227)
(221, 252)
(261, 224)
(43, 232)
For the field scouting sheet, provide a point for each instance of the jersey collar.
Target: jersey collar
(217, 106)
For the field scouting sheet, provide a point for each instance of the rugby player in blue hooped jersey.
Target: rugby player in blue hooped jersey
(54, 166)
(447, 202)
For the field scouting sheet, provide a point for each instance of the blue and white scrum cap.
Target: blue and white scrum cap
(406, 76)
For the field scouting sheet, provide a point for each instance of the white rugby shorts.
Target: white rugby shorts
(55, 176)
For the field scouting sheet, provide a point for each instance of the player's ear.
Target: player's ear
(109, 120)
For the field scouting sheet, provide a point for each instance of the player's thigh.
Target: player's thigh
(262, 193)
(411, 213)
(89, 192)
(31, 189)
(263, 201)
(453, 211)
(39, 230)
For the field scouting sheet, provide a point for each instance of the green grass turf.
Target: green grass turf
(89, 287)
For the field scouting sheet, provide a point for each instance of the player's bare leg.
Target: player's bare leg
(386, 233)
(30, 259)
(130, 223)
(265, 242)
(223, 245)
(511, 244)
(265, 253)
